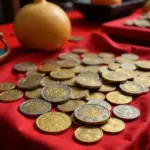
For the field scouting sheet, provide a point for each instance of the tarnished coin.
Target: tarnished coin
(79, 50)
(78, 93)
(50, 61)
(53, 122)
(131, 88)
(75, 38)
(62, 74)
(88, 134)
(34, 72)
(107, 60)
(46, 68)
(130, 56)
(142, 73)
(70, 56)
(114, 66)
(92, 114)
(107, 88)
(35, 107)
(89, 55)
(67, 64)
(70, 82)
(103, 69)
(30, 82)
(124, 60)
(143, 64)
(89, 80)
(77, 69)
(92, 61)
(25, 66)
(128, 66)
(5, 86)
(94, 69)
(142, 80)
(11, 95)
(34, 93)
(100, 102)
(56, 93)
(113, 125)
(113, 76)
(126, 112)
(74, 120)
(95, 96)
(117, 97)
(106, 55)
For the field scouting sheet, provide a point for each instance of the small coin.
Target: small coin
(77, 69)
(25, 66)
(74, 120)
(143, 64)
(11, 95)
(30, 82)
(107, 88)
(56, 93)
(92, 61)
(126, 112)
(34, 72)
(5, 86)
(35, 107)
(92, 114)
(128, 23)
(113, 125)
(53, 122)
(114, 66)
(95, 96)
(49, 61)
(79, 50)
(62, 74)
(67, 64)
(143, 73)
(128, 66)
(130, 56)
(103, 69)
(94, 69)
(124, 60)
(70, 82)
(107, 60)
(100, 102)
(106, 55)
(141, 23)
(142, 80)
(88, 134)
(117, 97)
(89, 55)
(70, 56)
(75, 38)
(34, 93)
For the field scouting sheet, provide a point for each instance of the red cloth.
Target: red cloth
(18, 132)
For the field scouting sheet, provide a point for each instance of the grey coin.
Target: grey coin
(94, 69)
(128, 66)
(35, 107)
(130, 56)
(103, 69)
(126, 112)
(92, 61)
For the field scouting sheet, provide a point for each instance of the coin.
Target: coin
(145, 88)
(124, 60)
(92, 114)
(62, 74)
(143, 64)
(11, 95)
(94, 69)
(30, 82)
(100, 102)
(81, 102)
(89, 55)
(5, 86)
(142, 80)
(67, 64)
(74, 120)
(107, 88)
(128, 66)
(35, 107)
(78, 93)
(46, 68)
(114, 66)
(106, 55)
(130, 56)
(56, 93)
(103, 69)
(126, 112)
(113, 125)
(107, 60)
(75, 38)
(79, 50)
(141, 23)
(34, 93)
(143, 73)
(117, 97)
(70, 82)
(89, 80)
(49, 61)
(88, 134)
(53, 122)
(34, 72)
(69, 56)
(95, 96)
(128, 23)
(77, 69)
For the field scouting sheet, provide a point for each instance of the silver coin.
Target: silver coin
(128, 66)
(126, 112)
(130, 56)
(35, 107)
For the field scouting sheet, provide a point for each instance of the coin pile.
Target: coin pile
(83, 86)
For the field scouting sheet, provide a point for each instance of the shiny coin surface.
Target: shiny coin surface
(103, 69)
(142, 80)
(113, 125)
(143, 64)
(92, 114)
(62, 74)
(79, 50)
(34, 93)
(142, 73)
(69, 56)
(95, 96)
(25, 66)
(117, 97)
(89, 80)
(89, 55)
(126, 112)
(70, 82)
(106, 55)
(124, 60)
(77, 69)
(88, 134)
(94, 69)
(5, 86)
(128, 66)
(53, 122)
(67, 64)
(75, 38)
(30, 82)
(46, 68)
(107, 88)
(35, 107)
(34, 72)
(74, 120)
(114, 66)
(130, 56)
(56, 93)
(92, 61)
(11, 95)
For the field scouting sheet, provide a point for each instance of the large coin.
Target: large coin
(75, 38)
(5, 86)
(117, 97)
(56, 93)
(95, 96)
(94, 69)
(126, 112)
(25, 66)
(114, 66)
(128, 66)
(92, 61)
(70, 82)
(142, 80)
(143, 64)
(88, 134)
(106, 55)
(11, 95)
(70, 56)
(46, 68)
(107, 88)
(77, 69)
(103, 69)
(34, 93)
(113, 125)
(92, 114)
(35, 107)
(130, 56)
(67, 64)
(34, 72)
(53, 122)
(79, 50)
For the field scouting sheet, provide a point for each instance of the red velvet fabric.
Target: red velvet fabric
(18, 132)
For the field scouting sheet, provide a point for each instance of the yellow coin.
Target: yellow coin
(142, 73)
(89, 55)
(113, 125)
(34, 72)
(69, 56)
(95, 96)
(107, 88)
(114, 66)
(106, 55)
(88, 134)
(46, 81)
(117, 97)
(53, 122)
(94, 69)
(5, 86)
(81, 102)
(143, 64)
(77, 69)
(34, 93)
(70, 82)
(67, 64)
(107, 60)
(142, 80)
(124, 60)
(103, 69)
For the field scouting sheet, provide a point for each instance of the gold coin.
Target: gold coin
(34, 93)
(5, 86)
(62, 74)
(77, 69)
(114, 66)
(88, 134)
(142, 80)
(130, 56)
(75, 38)
(106, 55)
(53, 122)
(48, 68)
(117, 97)
(81, 102)
(107, 88)
(49, 61)
(107, 60)
(69, 56)
(124, 60)
(92, 61)
(79, 50)
(70, 82)
(143, 64)
(142, 73)
(94, 69)
(89, 55)
(34, 72)
(103, 69)
(11, 95)
(95, 96)
(113, 125)
(128, 66)
(67, 64)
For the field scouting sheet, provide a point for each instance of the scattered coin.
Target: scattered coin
(142, 80)
(143, 64)
(50, 61)
(129, 23)
(114, 66)
(70, 56)
(107, 60)
(141, 23)
(130, 56)
(34, 72)
(106, 55)
(89, 55)
(74, 120)
(75, 38)
(34, 93)
(94, 69)
(95, 96)
(128, 66)
(92, 61)
(70, 82)
(103, 69)
(79, 50)
(77, 69)
(124, 60)
(67, 64)
(145, 88)
(81, 102)
(107, 88)
(143, 73)
(5, 86)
